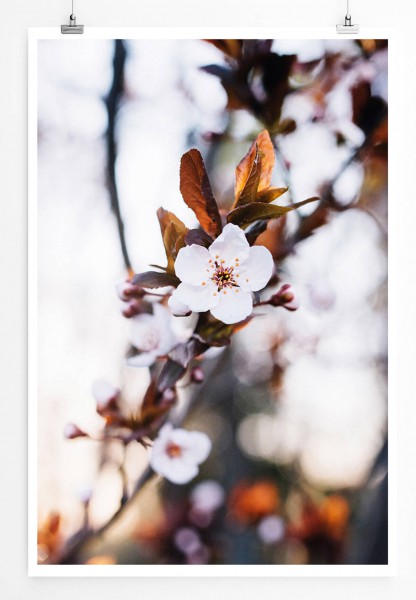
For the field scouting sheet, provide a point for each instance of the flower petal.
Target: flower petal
(144, 359)
(198, 298)
(257, 270)
(231, 244)
(167, 339)
(178, 308)
(234, 306)
(200, 446)
(175, 469)
(192, 263)
(195, 445)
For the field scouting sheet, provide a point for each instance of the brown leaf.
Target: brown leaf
(268, 159)
(180, 243)
(268, 195)
(153, 279)
(249, 213)
(285, 127)
(149, 415)
(150, 396)
(254, 172)
(247, 177)
(230, 47)
(184, 353)
(197, 193)
(172, 230)
(216, 333)
(244, 215)
(170, 374)
(258, 228)
(199, 237)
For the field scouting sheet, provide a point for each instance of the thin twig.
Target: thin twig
(112, 102)
(84, 537)
(87, 535)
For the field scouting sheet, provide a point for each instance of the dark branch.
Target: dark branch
(112, 102)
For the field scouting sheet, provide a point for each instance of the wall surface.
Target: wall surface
(17, 16)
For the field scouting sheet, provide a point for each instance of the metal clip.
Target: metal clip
(72, 27)
(347, 27)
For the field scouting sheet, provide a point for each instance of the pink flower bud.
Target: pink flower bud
(169, 396)
(72, 431)
(130, 309)
(127, 290)
(106, 396)
(285, 297)
(197, 375)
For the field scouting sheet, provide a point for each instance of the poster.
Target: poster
(210, 247)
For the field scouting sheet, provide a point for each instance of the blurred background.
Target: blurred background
(297, 407)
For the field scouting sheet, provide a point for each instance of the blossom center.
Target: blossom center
(223, 277)
(173, 450)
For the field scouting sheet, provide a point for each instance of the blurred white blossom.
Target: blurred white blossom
(152, 335)
(177, 453)
(207, 496)
(271, 529)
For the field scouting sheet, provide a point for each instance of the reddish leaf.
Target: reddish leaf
(199, 237)
(170, 374)
(247, 177)
(184, 353)
(258, 228)
(286, 126)
(153, 279)
(257, 211)
(216, 333)
(230, 47)
(150, 396)
(254, 172)
(268, 159)
(268, 195)
(172, 230)
(197, 193)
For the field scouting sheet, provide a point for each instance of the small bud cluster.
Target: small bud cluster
(285, 297)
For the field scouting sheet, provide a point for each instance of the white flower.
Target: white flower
(152, 335)
(176, 453)
(222, 277)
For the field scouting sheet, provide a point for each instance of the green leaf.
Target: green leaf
(256, 211)
(153, 279)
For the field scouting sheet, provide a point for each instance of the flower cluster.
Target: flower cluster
(218, 271)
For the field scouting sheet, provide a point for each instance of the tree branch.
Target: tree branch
(112, 103)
